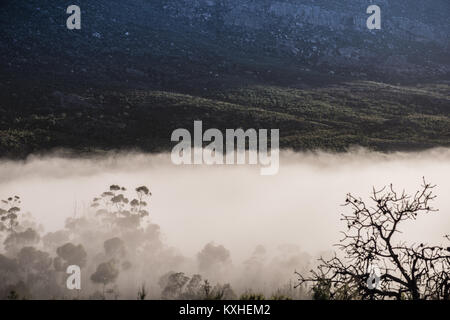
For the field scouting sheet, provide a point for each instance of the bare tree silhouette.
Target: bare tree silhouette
(403, 271)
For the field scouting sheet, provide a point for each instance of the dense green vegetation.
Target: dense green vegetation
(334, 117)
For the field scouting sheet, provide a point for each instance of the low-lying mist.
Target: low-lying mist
(227, 223)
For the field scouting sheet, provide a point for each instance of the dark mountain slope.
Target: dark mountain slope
(182, 44)
(139, 69)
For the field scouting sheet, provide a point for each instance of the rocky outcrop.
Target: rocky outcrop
(161, 40)
(404, 17)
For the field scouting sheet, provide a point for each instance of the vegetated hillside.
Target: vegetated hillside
(379, 116)
(139, 69)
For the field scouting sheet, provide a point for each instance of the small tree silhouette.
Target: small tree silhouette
(417, 271)
(176, 286)
(142, 292)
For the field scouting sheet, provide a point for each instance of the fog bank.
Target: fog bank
(287, 215)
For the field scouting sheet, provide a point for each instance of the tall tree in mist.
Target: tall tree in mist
(9, 213)
(118, 211)
(374, 263)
